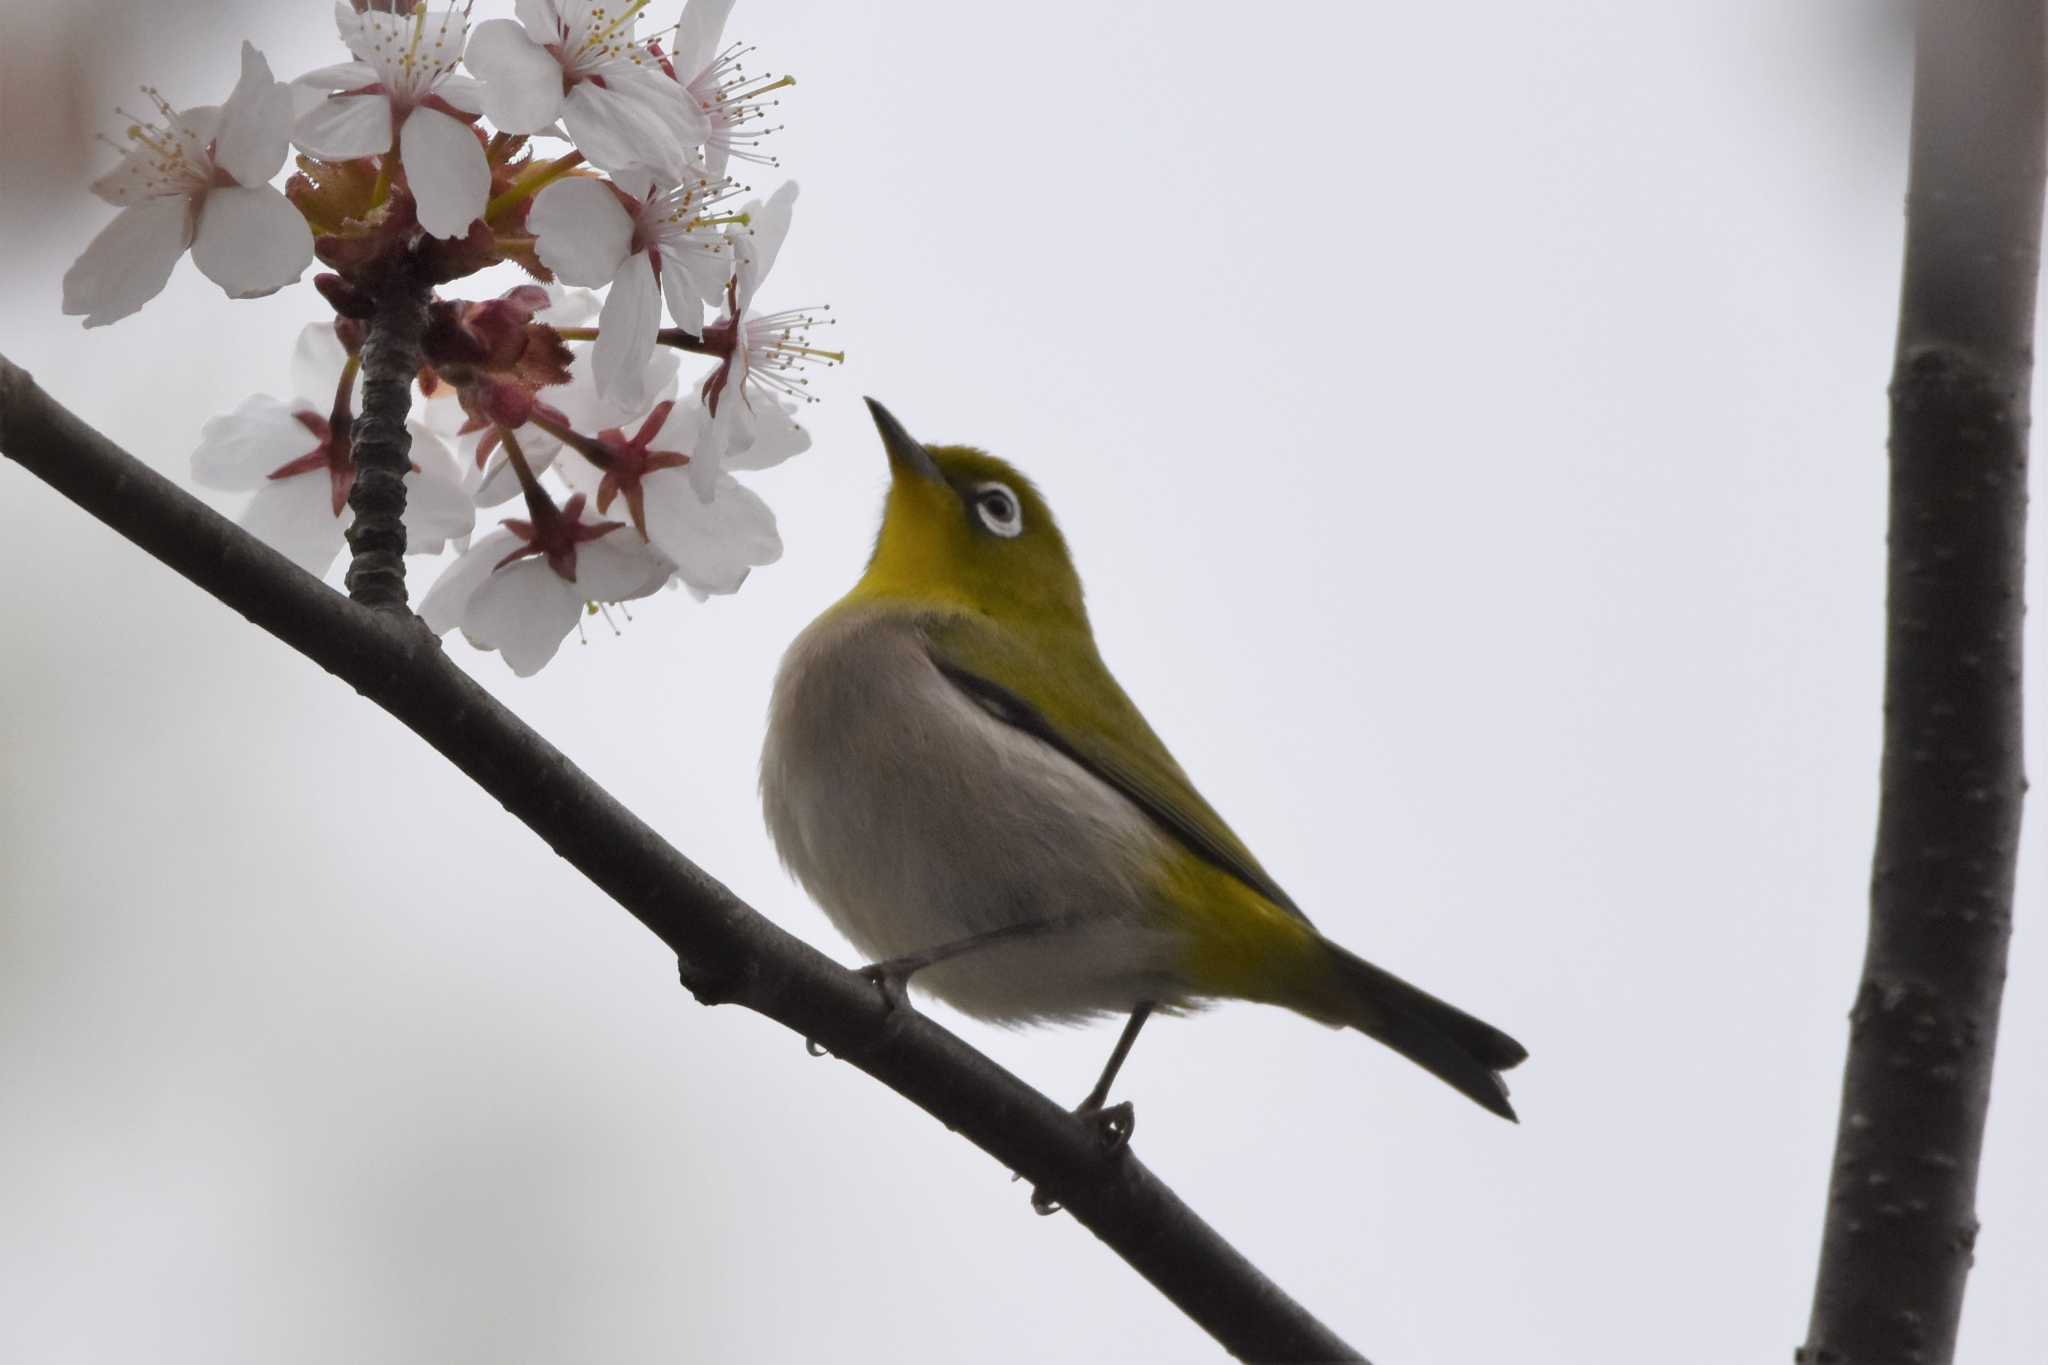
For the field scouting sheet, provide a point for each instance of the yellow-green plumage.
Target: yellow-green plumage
(971, 717)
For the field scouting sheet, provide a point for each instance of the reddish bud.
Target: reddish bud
(344, 297)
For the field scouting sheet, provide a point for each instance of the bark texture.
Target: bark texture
(381, 446)
(1901, 1219)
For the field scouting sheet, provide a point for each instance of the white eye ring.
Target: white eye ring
(999, 509)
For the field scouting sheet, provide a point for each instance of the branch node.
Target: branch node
(709, 985)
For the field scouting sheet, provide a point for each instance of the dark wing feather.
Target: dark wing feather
(1087, 717)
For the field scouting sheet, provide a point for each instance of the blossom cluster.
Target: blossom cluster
(426, 156)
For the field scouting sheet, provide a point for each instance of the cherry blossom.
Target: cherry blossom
(295, 457)
(648, 241)
(575, 406)
(714, 537)
(199, 179)
(403, 83)
(731, 101)
(748, 392)
(416, 174)
(520, 589)
(579, 61)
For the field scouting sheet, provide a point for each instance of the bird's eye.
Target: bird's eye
(998, 510)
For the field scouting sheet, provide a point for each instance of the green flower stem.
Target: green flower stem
(530, 184)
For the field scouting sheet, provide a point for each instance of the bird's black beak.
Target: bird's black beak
(906, 455)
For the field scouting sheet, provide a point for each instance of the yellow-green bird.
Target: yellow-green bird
(955, 777)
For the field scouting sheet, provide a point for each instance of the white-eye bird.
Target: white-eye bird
(953, 774)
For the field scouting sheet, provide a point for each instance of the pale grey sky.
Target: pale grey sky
(1470, 428)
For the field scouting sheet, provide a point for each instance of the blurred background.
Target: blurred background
(1470, 426)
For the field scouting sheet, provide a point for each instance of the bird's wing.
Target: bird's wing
(1078, 709)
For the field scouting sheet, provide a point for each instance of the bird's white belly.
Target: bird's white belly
(917, 820)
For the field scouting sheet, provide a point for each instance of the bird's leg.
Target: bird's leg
(893, 974)
(1116, 1120)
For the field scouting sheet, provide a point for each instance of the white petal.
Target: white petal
(126, 265)
(499, 482)
(348, 20)
(541, 18)
(759, 245)
(461, 92)
(697, 37)
(441, 411)
(198, 124)
(682, 289)
(523, 611)
(443, 606)
(251, 242)
(340, 76)
(296, 518)
(776, 438)
(522, 81)
(436, 508)
(728, 434)
(345, 126)
(589, 411)
(581, 231)
(305, 99)
(580, 476)
(634, 119)
(255, 123)
(711, 451)
(713, 543)
(687, 123)
(446, 170)
(568, 307)
(635, 182)
(617, 567)
(239, 450)
(682, 429)
(625, 331)
(317, 359)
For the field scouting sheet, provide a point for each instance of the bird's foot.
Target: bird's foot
(1113, 1124)
(892, 978)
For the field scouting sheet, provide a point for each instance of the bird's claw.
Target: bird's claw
(1113, 1125)
(892, 980)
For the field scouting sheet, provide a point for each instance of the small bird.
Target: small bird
(953, 774)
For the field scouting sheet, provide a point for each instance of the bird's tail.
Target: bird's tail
(1463, 1052)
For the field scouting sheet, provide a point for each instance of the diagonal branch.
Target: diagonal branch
(728, 952)
(1901, 1216)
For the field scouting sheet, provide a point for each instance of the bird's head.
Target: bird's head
(962, 528)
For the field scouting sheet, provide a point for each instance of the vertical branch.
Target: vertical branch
(1901, 1220)
(381, 446)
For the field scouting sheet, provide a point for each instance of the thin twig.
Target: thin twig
(1901, 1218)
(728, 952)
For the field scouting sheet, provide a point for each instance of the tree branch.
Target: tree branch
(1901, 1220)
(728, 952)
